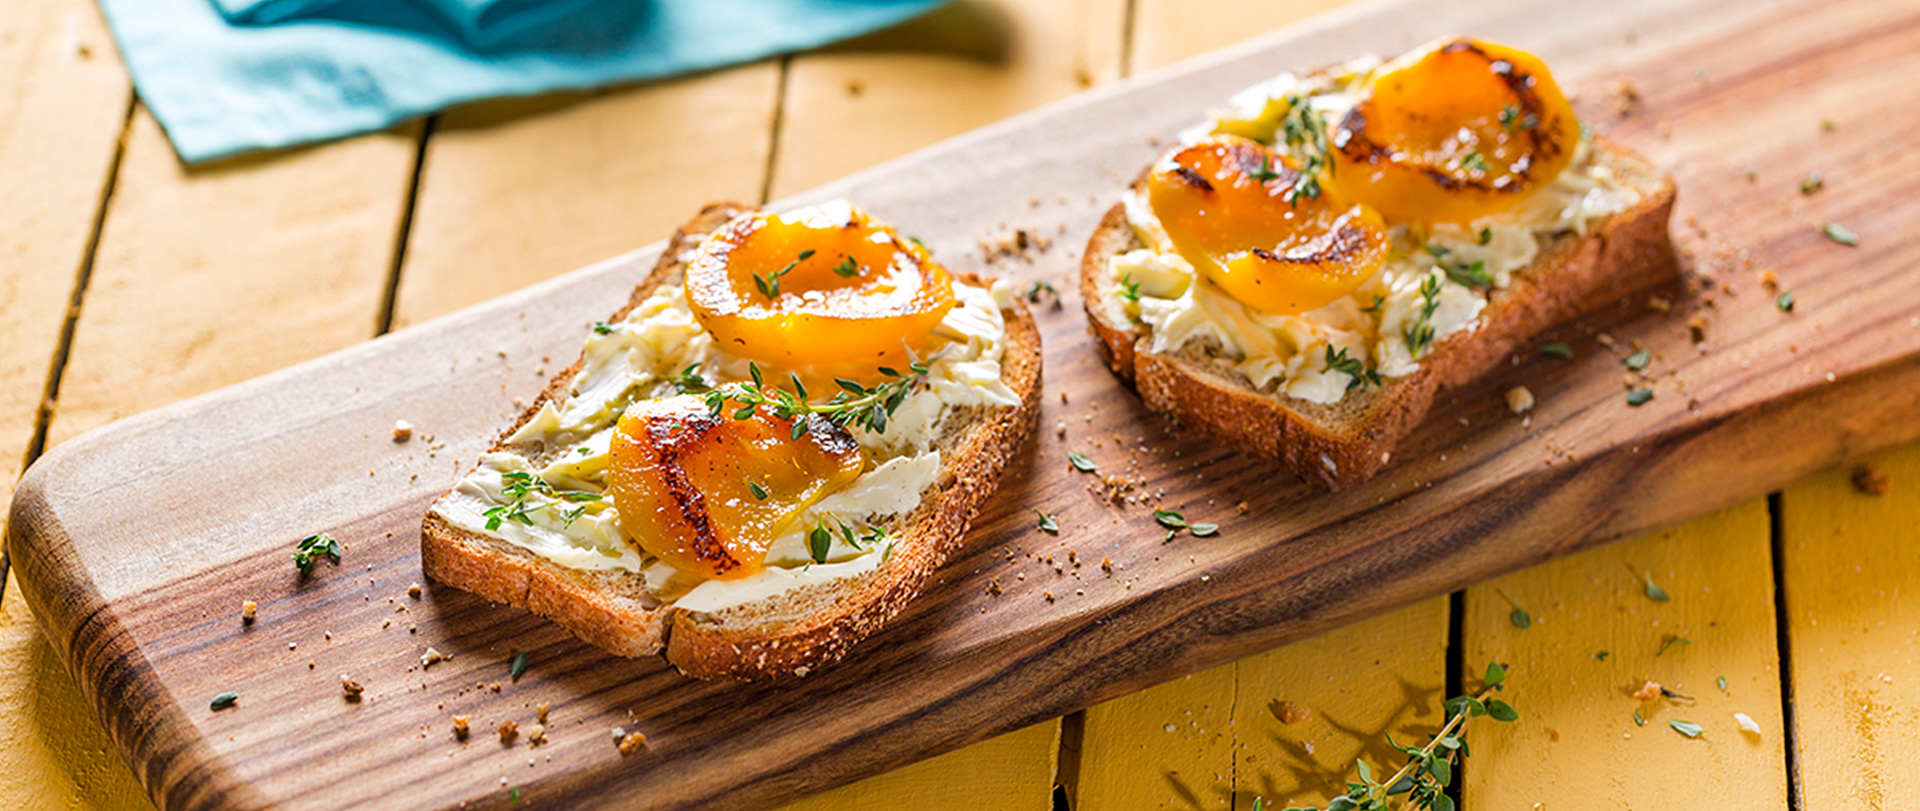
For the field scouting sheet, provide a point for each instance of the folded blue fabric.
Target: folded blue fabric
(230, 76)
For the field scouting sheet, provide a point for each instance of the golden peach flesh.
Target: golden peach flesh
(708, 494)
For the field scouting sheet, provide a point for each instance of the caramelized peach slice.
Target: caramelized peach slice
(1226, 203)
(707, 493)
(821, 287)
(1452, 133)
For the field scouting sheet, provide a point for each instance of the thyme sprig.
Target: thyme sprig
(1429, 769)
(1306, 136)
(528, 493)
(1363, 377)
(769, 285)
(866, 407)
(820, 539)
(314, 546)
(1419, 334)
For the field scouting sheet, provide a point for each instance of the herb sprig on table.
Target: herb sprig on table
(1429, 769)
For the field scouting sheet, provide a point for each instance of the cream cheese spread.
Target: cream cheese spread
(1289, 354)
(568, 517)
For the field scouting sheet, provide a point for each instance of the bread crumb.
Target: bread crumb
(1624, 97)
(1746, 723)
(460, 727)
(1769, 281)
(618, 733)
(431, 657)
(1060, 429)
(1106, 565)
(1871, 481)
(632, 742)
(1289, 713)
(1697, 328)
(1519, 399)
(402, 430)
(542, 711)
(1063, 396)
(1604, 339)
(508, 731)
(1648, 692)
(350, 689)
(247, 610)
(1049, 595)
(1658, 304)
(536, 735)
(414, 591)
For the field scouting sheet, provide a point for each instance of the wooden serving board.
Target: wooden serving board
(136, 544)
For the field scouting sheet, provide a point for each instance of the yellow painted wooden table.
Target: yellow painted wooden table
(127, 282)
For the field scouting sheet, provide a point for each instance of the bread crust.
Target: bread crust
(612, 610)
(1336, 449)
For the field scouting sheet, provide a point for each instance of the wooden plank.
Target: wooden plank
(856, 104)
(1848, 569)
(1577, 737)
(1013, 772)
(61, 113)
(1127, 755)
(508, 197)
(63, 105)
(1217, 739)
(210, 276)
(1474, 497)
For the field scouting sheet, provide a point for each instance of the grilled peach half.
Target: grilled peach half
(1453, 132)
(823, 287)
(708, 493)
(1243, 216)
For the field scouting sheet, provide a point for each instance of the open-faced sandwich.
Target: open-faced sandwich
(762, 457)
(1300, 275)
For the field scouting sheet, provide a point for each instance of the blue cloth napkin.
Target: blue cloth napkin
(225, 77)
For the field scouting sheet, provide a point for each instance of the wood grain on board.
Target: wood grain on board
(1478, 493)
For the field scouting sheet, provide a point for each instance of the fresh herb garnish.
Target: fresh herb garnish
(1638, 719)
(1047, 524)
(1813, 183)
(1638, 360)
(1639, 397)
(1203, 529)
(1520, 618)
(518, 667)
(314, 546)
(1362, 376)
(1511, 119)
(1687, 728)
(1840, 233)
(769, 285)
(602, 328)
(529, 492)
(1602, 655)
(1722, 681)
(1673, 642)
(1305, 133)
(819, 542)
(1438, 251)
(689, 381)
(1419, 334)
(1429, 769)
(847, 268)
(224, 700)
(1038, 288)
(1129, 289)
(759, 492)
(1265, 172)
(1557, 349)
(1784, 302)
(1654, 591)
(866, 407)
(1170, 519)
(1375, 306)
(1474, 275)
(1486, 235)
(1475, 162)
(1081, 463)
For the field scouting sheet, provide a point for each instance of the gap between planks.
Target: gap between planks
(1783, 648)
(43, 413)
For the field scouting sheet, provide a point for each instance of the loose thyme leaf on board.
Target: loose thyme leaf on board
(1081, 463)
(1047, 523)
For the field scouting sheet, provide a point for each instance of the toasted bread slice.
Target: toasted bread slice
(790, 633)
(1342, 444)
